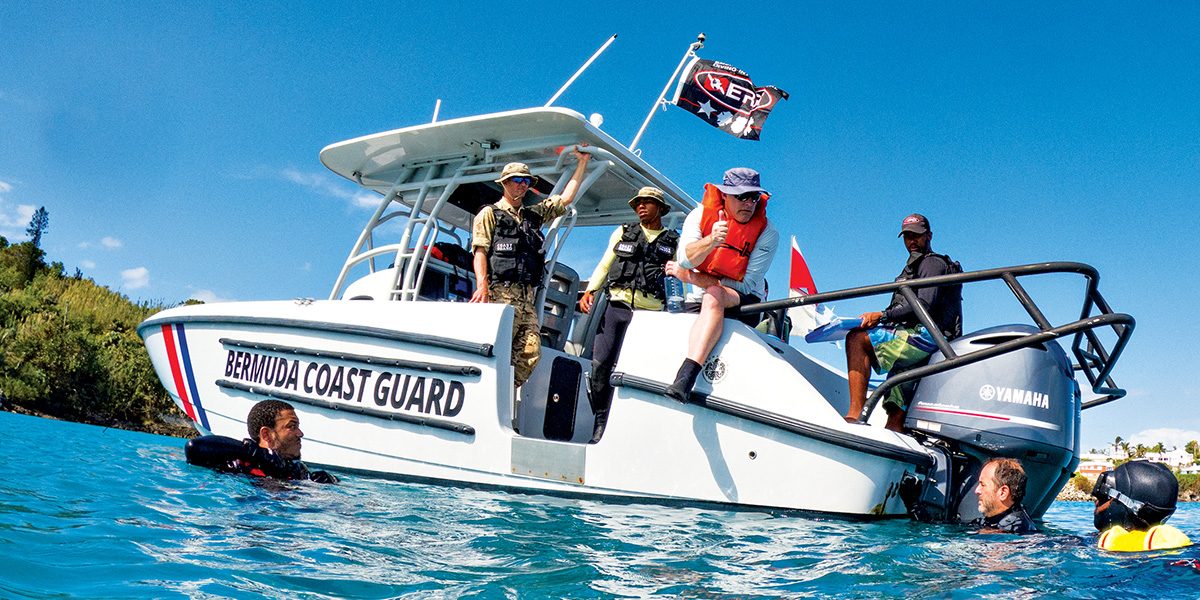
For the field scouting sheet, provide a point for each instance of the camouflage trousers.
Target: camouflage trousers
(527, 335)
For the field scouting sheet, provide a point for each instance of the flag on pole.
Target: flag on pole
(800, 280)
(725, 98)
(807, 317)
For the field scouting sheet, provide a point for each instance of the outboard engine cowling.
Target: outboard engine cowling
(1023, 405)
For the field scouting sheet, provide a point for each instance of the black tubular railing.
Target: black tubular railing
(1095, 360)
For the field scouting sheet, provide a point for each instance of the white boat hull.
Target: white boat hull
(424, 391)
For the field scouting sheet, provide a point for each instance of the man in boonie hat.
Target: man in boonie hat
(725, 249)
(509, 261)
(632, 272)
(894, 340)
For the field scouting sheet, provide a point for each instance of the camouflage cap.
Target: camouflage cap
(516, 169)
(651, 193)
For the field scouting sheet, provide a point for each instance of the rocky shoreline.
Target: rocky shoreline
(180, 430)
(1071, 494)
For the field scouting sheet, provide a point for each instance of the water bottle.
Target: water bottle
(674, 289)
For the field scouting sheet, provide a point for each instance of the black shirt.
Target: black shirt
(943, 303)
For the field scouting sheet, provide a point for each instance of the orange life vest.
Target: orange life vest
(730, 258)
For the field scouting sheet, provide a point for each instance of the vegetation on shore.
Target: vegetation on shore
(1080, 488)
(69, 348)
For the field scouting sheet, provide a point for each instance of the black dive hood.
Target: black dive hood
(1143, 494)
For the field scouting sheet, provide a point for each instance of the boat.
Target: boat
(395, 374)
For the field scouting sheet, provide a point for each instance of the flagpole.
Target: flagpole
(586, 65)
(696, 45)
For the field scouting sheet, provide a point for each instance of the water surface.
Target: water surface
(104, 513)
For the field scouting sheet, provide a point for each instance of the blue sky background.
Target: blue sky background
(175, 144)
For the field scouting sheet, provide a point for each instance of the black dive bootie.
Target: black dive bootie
(685, 379)
(600, 394)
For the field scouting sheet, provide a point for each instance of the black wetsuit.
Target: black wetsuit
(228, 455)
(1013, 520)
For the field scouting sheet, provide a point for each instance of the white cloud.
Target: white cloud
(111, 242)
(137, 277)
(1170, 437)
(87, 264)
(327, 186)
(208, 296)
(13, 220)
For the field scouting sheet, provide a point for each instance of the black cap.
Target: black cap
(914, 223)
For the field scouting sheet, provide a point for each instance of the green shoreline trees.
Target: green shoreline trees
(69, 347)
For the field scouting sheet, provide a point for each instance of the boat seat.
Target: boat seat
(583, 332)
(558, 311)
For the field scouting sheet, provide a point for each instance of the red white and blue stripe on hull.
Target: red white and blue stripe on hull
(175, 339)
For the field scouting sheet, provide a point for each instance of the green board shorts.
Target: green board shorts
(898, 349)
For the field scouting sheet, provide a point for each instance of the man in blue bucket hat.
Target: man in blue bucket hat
(725, 249)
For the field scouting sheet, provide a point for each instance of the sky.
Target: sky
(175, 145)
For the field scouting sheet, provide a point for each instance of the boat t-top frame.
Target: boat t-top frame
(438, 175)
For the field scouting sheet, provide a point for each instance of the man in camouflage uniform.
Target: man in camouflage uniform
(509, 261)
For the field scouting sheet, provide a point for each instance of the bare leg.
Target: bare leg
(710, 323)
(859, 356)
(895, 420)
(703, 337)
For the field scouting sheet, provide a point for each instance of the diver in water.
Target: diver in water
(1133, 501)
(1000, 491)
(273, 449)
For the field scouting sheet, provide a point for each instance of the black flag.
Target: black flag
(724, 97)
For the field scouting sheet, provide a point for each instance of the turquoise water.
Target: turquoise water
(103, 513)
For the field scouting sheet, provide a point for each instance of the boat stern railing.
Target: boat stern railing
(1095, 360)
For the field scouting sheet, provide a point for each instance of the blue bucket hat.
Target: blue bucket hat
(740, 180)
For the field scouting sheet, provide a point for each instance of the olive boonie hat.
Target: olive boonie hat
(516, 169)
(651, 193)
(740, 180)
(914, 223)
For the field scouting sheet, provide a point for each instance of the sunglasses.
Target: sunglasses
(750, 197)
(524, 180)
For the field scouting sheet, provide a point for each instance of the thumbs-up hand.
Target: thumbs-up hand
(719, 229)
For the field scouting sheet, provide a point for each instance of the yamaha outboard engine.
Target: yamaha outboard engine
(1023, 405)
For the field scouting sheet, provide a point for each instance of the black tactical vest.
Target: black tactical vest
(947, 303)
(639, 263)
(516, 254)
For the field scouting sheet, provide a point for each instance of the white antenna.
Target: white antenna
(436, 108)
(581, 69)
(696, 45)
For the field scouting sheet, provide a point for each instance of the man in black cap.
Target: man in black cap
(894, 340)
(632, 272)
(726, 259)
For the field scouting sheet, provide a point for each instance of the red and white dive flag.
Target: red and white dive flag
(725, 98)
(807, 317)
(800, 280)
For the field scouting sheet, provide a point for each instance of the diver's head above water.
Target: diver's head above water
(1136, 495)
